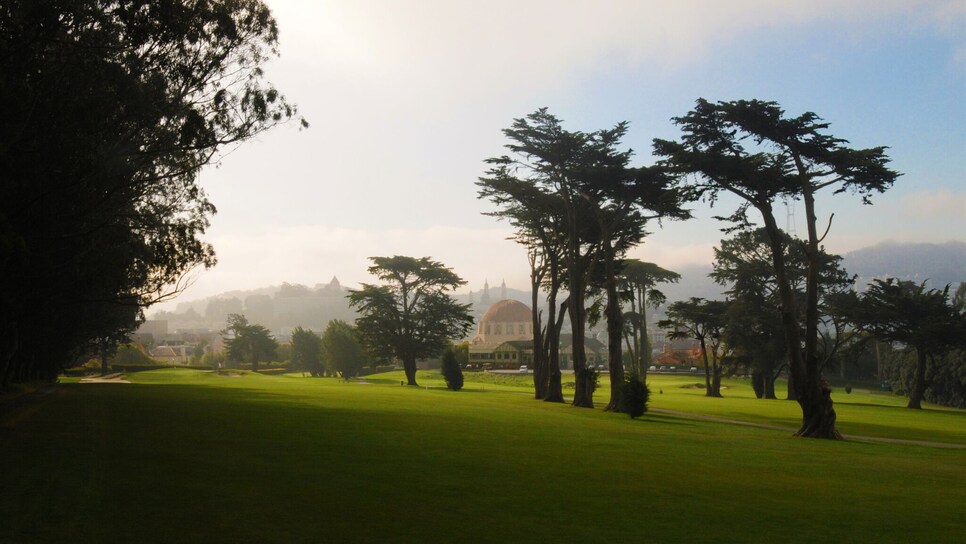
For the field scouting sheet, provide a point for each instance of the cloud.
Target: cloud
(442, 52)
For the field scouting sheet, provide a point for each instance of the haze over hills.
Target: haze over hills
(281, 308)
(936, 264)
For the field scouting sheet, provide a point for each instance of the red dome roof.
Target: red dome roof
(507, 311)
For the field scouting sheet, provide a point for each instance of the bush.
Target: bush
(128, 354)
(451, 370)
(634, 397)
(592, 377)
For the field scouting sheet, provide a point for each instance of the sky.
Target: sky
(407, 98)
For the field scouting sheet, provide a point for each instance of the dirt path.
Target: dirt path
(110, 378)
(689, 415)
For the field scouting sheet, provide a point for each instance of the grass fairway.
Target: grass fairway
(187, 456)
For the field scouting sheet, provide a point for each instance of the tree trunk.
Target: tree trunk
(708, 391)
(716, 381)
(7, 350)
(630, 342)
(769, 384)
(919, 389)
(818, 417)
(103, 362)
(644, 345)
(814, 397)
(716, 375)
(409, 366)
(554, 324)
(540, 370)
(584, 387)
(758, 380)
(615, 330)
(792, 391)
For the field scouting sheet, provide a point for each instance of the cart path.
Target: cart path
(903, 441)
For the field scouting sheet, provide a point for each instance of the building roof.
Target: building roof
(507, 311)
(589, 343)
(519, 345)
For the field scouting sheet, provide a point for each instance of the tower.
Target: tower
(503, 290)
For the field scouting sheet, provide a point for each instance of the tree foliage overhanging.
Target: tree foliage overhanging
(111, 110)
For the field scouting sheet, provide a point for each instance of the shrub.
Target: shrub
(634, 397)
(592, 377)
(451, 370)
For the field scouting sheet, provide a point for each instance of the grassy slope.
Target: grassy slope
(191, 456)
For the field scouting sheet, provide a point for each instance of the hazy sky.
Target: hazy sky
(406, 99)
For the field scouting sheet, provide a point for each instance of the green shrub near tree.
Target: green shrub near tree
(451, 370)
(634, 397)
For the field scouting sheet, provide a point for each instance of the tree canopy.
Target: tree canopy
(112, 110)
(307, 351)
(411, 316)
(344, 354)
(703, 320)
(754, 330)
(599, 205)
(751, 149)
(247, 342)
(909, 313)
(638, 283)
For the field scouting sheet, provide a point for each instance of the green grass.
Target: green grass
(862, 413)
(190, 456)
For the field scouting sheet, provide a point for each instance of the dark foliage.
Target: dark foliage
(634, 397)
(451, 370)
(307, 351)
(342, 350)
(248, 343)
(909, 313)
(110, 111)
(754, 151)
(411, 316)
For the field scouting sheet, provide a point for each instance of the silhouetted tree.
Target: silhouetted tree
(638, 281)
(412, 316)
(539, 219)
(247, 342)
(906, 312)
(744, 264)
(703, 320)
(603, 202)
(749, 148)
(111, 110)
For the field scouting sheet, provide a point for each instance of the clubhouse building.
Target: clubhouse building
(504, 340)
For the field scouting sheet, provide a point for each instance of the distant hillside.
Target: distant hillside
(283, 307)
(694, 283)
(938, 263)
